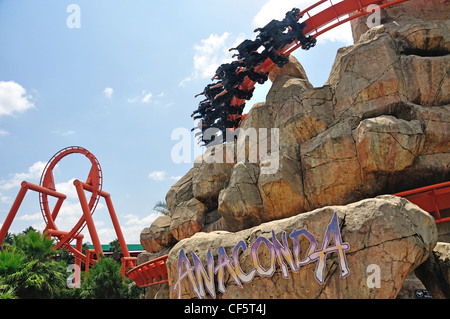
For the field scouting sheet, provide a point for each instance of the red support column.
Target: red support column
(116, 225)
(89, 252)
(77, 277)
(13, 211)
(56, 209)
(88, 217)
(126, 254)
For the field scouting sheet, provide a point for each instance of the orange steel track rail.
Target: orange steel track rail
(316, 25)
(63, 239)
(433, 199)
(153, 272)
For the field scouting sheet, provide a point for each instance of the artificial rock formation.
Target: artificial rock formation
(386, 232)
(379, 125)
(435, 272)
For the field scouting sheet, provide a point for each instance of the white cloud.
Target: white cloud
(143, 222)
(342, 33)
(68, 133)
(161, 176)
(33, 173)
(274, 9)
(3, 132)
(108, 92)
(5, 199)
(106, 235)
(67, 188)
(64, 133)
(211, 53)
(29, 217)
(13, 98)
(214, 50)
(144, 97)
(158, 175)
(134, 225)
(131, 226)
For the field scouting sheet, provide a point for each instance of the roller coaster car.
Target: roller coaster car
(242, 94)
(279, 60)
(254, 59)
(256, 77)
(247, 47)
(309, 43)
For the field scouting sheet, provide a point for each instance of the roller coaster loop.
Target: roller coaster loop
(64, 239)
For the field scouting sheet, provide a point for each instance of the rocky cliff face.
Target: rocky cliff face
(380, 125)
(387, 233)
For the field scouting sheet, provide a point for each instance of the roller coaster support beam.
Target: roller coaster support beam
(127, 260)
(25, 186)
(88, 217)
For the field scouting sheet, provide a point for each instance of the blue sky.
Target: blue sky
(118, 85)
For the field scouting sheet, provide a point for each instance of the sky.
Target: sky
(118, 78)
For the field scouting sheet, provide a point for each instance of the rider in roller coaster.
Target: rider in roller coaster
(216, 110)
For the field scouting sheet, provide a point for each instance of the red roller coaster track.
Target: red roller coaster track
(63, 239)
(333, 16)
(433, 199)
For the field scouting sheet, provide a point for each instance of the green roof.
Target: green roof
(132, 247)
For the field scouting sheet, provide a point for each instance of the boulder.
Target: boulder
(331, 172)
(158, 235)
(380, 125)
(387, 144)
(296, 257)
(411, 12)
(292, 69)
(435, 272)
(148, 241)
(181, 191)
(240, 203)
(209, 180)
(187, 219)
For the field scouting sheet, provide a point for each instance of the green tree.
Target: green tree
(104, 281)
(29, 229)
(6, 291)
(36, 275)
(115, 249)
(161, 207)
(35, 246)
(8, 239)
(10, 263)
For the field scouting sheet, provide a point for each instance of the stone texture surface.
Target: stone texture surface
(379, 125)
(386, 231)
(435, 272)
(410, 12)
(188, 218)
(158, 235)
